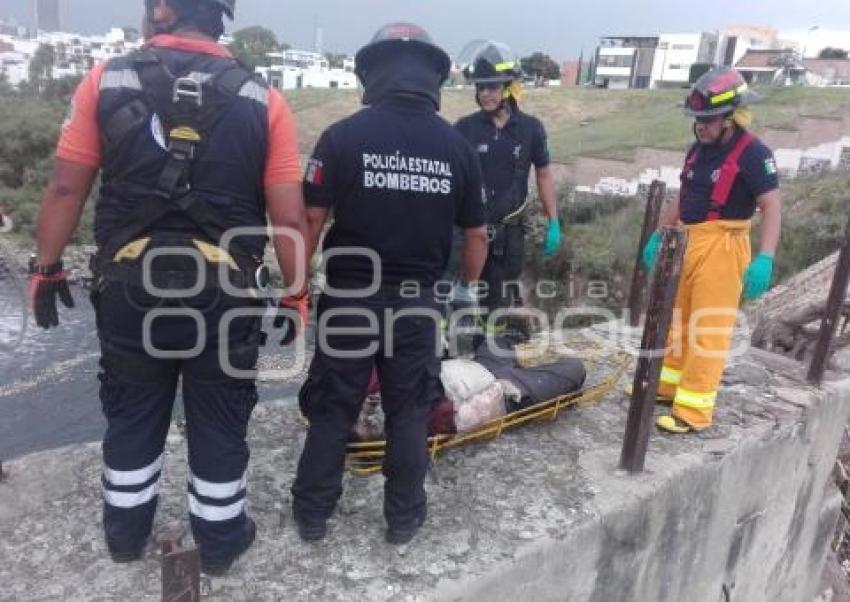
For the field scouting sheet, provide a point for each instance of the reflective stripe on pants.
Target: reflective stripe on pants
(705, 314)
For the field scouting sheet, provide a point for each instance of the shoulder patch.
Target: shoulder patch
(315, 172)
(770, 166)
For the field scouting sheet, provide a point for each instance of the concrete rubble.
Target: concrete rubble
(744, 511)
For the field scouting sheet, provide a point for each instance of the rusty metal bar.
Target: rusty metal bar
(654, 201)
(834, 305)
(648, 371)
(181, 573)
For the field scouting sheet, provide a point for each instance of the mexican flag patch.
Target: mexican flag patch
(770, 166)
(315, 172)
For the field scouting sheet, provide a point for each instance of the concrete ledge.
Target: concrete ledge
(741, 512)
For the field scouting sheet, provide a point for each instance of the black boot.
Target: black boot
(122, 554)
(399, 536)
(217, 567)
(311, 531)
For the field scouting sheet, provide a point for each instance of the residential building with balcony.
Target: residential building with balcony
(677, 53)
(624, 62)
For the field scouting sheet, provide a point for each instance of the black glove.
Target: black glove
(43, 291)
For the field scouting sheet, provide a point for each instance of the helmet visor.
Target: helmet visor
(489, 61)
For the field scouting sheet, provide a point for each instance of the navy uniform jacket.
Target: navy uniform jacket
(398, 178)
(758, 176)
(506, 156)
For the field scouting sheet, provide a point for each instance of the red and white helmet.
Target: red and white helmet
(718, 92)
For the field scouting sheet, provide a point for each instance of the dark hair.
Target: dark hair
(206, 17)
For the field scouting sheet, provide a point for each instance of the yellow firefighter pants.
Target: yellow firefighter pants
(704, 318)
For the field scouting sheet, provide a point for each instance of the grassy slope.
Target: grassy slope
(603, 249)
(615, 123)
(815, 215)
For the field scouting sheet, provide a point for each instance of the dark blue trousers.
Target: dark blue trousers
(137, 392)
(404, 345)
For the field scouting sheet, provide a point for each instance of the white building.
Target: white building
(736, 40)
(624, 62)
(74, 54)
(15, 67)
(763, 54)
(293, 69)
(652, 62)
(15, 55)
(677, 53)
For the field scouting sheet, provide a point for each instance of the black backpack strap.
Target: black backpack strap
(208, 221)
(134, 225)
(133, 115)
(231, 81)
(145, 216)
(125, 120)
(189, 110)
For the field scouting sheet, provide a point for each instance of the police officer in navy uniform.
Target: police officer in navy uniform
(509, 142)
(397, 178)
(192, 145)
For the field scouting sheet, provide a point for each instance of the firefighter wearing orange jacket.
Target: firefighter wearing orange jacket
(728, 174)
(191, 147)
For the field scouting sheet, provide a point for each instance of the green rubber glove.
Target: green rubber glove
(758, 276)
(553, 238)
(651, 251)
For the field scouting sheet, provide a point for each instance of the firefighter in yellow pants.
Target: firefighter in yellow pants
(728, 174)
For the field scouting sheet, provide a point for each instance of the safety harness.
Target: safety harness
(728, 174)
(189, 109)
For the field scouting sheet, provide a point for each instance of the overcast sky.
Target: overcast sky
(559, 27)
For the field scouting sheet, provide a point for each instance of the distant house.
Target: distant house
(677, 53)
(293, 69)
(663, 61)
(828, 72)
(73, 54)
(736, 40)
(772, 67)
(624, 62)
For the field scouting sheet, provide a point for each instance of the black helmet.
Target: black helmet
(228, 6)
(485, 61)
(718, 92)
(396, 36)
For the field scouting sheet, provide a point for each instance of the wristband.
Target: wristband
(44, 270)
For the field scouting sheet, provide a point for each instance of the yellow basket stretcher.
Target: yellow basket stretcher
(365, 459)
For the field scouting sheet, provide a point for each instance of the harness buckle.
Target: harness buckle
(181, 150)
(187, 88)
(262, 278)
